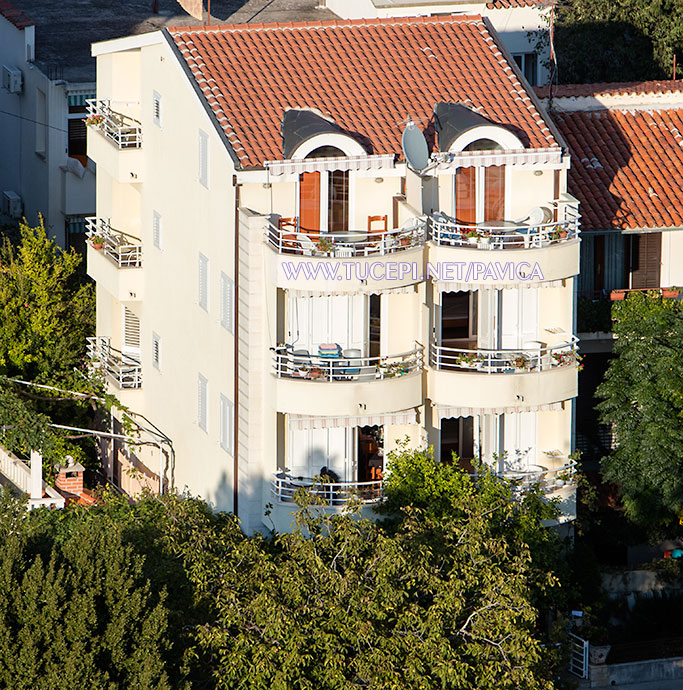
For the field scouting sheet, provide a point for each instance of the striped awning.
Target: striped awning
(451, 286)
(355, 163)
(483, 159)
(445, 411)
(79, 97)
(364, 290)
(298, 422)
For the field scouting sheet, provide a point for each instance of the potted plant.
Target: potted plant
(617, 295)
(671, 292)
(562, 233)
(472, 236)
(484, 239)
(325, 245)
(97, 242)
(521, 361)
(94, 121)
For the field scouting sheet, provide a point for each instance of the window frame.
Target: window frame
(156, 351)
(157, 230)
(156, 109)
(203, 285)
(226, 436)
(203, 155)
(203, 403)
(227, 307)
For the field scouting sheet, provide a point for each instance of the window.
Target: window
(76, 144)
(527, 63)
(227, 430)
(227, 303)
(324, 196)
(41, 123)
(131, 335)
(202, 403)
(156, 351)
(203, 282)
(156, 229)
(203, 159)
(156, 109)
(480, 194)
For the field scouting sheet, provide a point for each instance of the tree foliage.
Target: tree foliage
(632, 40)
(164, 593)
(642, 397)
(48, 310)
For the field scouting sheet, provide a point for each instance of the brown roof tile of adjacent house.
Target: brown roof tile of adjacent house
(368, 75)
(505, 4)
(610, 89)
(13, 15)
(627, 166)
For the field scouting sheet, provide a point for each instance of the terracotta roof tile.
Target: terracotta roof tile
(504, 4)
(368, 75)
(14, 16)
(627, 166)
(610, 89)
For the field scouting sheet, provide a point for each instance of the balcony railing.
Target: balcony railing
(125, 370)
(284, 488)
(505, 361)
(556, 223)
(344, 365)
(548, 481)
(115, 245)
(290, 240)
(124, 131)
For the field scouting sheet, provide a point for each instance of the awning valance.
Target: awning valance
(451, 286)
(482, 159)
(355, 163)
(298, 422)
(445, 411)
(365, 290)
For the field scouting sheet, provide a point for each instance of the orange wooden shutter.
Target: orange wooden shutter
(466, 195)
(309, 202)
(494, 188)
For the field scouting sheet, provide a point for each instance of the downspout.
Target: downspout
(235, 449)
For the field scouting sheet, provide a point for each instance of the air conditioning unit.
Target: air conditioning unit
(12, 79)
(11, 204)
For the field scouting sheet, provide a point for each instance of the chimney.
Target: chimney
(70, 477)
(36, 475)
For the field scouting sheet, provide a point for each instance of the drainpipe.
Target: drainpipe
(235, 469)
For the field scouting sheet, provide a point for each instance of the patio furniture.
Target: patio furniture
(307, 245)
(374, 220)
(350, 366)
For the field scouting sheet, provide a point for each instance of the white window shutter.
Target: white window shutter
(156, 229)
(204, 158)
(131, 335)
(202, 403)
(227, 430)
(203, 282)
(227, 303)
(156, 351)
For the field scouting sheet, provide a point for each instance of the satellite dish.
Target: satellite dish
(415, 147)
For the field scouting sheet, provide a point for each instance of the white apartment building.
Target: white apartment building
(301, 301)
(521, 25)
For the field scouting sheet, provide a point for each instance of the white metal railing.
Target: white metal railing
(18, 473)
(547, 480)
(284, 488)
(343, 365)
(525, 234)
(505, 361)
(124, 131)
(115, 245)
(125, 370)
(578, 656)
(291, 240)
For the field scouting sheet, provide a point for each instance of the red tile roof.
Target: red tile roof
(627, 166)
(368, 75)
(13, 15)
(610, 89)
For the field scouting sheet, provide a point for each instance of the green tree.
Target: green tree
(599, 40)
(48, 310)
(642, 398)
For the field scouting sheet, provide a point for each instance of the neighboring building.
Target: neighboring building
(277, 318)
(522, 25)
(626, 144)
(47, 75)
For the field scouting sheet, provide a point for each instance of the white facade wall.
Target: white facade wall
(41, 174)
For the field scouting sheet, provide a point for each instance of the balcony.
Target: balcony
(125, 371)
(116, 265)
(504, 378)
(353, 261)
(342, 382)
(542, 247)
(115, 141)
